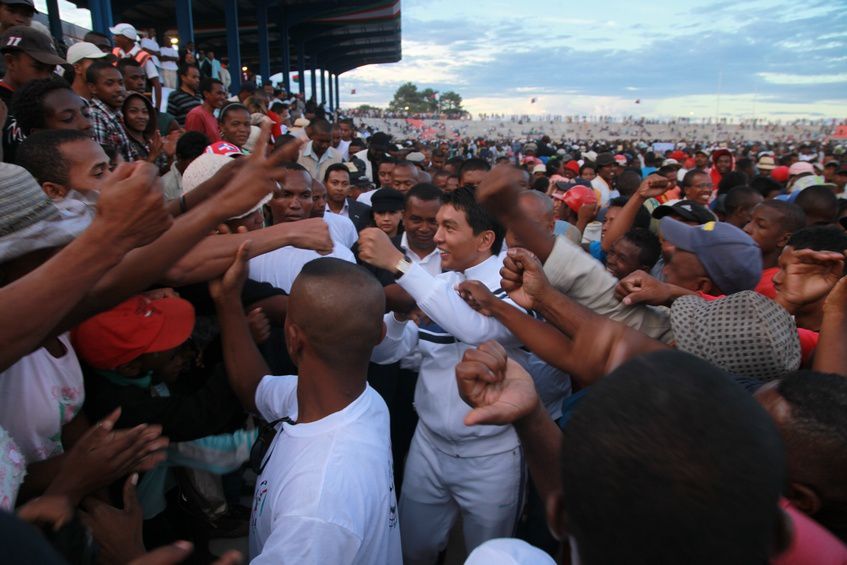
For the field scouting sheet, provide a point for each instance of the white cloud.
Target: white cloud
(786, 78)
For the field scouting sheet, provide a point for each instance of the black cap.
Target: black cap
(604, 159)
(387, 200)
(37, 45)
(29, 3)
(687, 210)
(380, 139)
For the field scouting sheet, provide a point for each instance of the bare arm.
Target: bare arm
(651, 187)
(128, 214)
(245, 366)
(829, 354)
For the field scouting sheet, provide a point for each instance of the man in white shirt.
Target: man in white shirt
(126, 37)
(290, 203)
(324, 492)
(317, 155)
(450, 468)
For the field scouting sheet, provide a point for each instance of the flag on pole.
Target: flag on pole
(352, 91)
(295, 77)
(533, 100)
(638, 101)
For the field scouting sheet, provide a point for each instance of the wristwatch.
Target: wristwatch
(402, 267)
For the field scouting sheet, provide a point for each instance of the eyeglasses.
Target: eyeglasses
(259, 455)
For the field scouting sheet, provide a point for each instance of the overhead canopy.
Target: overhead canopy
(336, 35)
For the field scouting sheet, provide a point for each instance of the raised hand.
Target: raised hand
(498, 389)
(499, 190)
(260, 327)
(806, 276)
(131, 209)
(117, 531)
(229, 286)
(257, 178)
(523, 278)
(653, 186)
(103, 455)
(375, 248)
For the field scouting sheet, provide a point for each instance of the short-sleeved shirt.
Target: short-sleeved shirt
(107, 125)
(326, 494)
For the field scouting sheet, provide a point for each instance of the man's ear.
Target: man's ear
(705, 285)
(486, 240)
(54, 191)
(804, 499)
(557, 521)
(294, 342)
(783, 240)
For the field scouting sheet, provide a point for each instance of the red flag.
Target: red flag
(353, 91)
(295, 78)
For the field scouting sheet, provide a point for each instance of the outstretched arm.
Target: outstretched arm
(829, 354)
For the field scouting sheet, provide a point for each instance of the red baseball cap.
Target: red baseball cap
(780, 174)
(572, 166)
(131, 329)
(577, 196)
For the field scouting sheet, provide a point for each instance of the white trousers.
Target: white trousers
(488, 491)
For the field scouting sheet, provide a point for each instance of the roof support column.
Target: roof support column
(313, 62)
(331, 99)
(54, 19)
(233, 46)
(286, 49)
(101, 15)
(323, 86)
(337, 95)
(264, 47)
(301, 66)
(184, 22)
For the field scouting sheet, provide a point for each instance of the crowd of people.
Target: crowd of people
(247, 317)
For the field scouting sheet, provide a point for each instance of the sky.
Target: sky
(776, 59)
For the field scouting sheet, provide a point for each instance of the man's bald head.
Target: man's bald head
(538, 208)
(319, 308)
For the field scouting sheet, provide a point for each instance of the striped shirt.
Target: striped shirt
(180, 103)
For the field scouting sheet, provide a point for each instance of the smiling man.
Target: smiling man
(107, 96)
(450, 467)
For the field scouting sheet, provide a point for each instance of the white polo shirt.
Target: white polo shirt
(326, 494)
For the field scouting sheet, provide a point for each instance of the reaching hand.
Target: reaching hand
(375, 248)
(257, 179)
(131, 207)
(103, 455)
(499, 390)
(260, 327)
(587, 213)
(806, 276)
(499, 190)
(836, 300)
(51, 510)
(477, 296)
(313, 234)
(653, 187)
(117, 531)
(229, 286)
(524, 278)
(640, 288)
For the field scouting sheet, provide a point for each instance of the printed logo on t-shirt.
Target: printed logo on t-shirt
(392, 505)
(258, 504)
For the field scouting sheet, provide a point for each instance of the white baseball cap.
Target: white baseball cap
(83, 50)
(127, 30)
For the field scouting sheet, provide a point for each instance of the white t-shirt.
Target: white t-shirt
(281, 266)
(38, 395)
(326, 494)
(341, 228)
(169, 52)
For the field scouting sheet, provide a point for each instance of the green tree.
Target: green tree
(451, 103)
(429, 97)
(407, 99)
